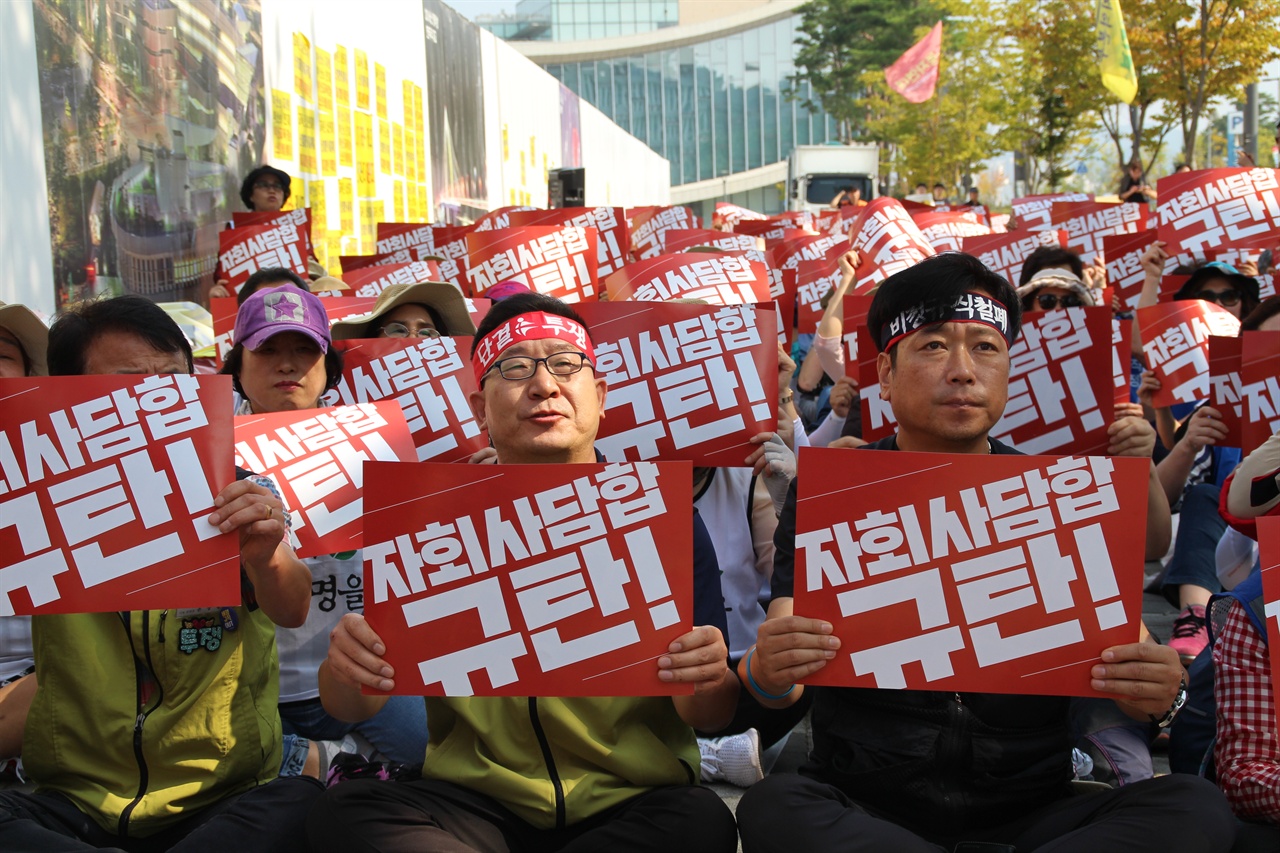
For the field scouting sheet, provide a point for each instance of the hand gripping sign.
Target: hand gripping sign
(108, 483)
(648, 224)
(1269, 559)
(315, 456)
(1219, 209)
(558, 261)
(613, 239)
(529, 580)
(429, 379)
(717, 278)
(887, 241)
(974, 573)
(1124, 264)
(1260, 387)
(1175, 344)
(692, 382)
(244, 251)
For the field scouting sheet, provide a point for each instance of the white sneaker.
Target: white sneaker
(734, 759)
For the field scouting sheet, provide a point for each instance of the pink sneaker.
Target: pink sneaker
(1190, 633)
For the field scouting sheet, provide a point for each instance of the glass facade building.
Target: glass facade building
(575, 20)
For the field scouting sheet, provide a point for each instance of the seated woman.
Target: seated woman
(427, 310)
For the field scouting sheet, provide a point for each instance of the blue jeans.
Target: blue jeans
(398, 731)
(1199, 529)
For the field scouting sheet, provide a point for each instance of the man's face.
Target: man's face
(543, 418)
(948, 388)
(939, 193)
(124, 352)
(267, 194)
(12, 364)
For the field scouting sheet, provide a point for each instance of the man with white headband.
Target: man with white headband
(914, 770)
(536, 773)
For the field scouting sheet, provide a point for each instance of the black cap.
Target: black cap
(246, 188)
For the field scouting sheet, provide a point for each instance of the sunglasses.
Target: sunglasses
(1226, 298)
(1049, 301)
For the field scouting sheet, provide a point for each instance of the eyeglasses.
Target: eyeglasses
(400, 330)
(268, 186)
(1226, 298)
(559, 364)
(1049, 301)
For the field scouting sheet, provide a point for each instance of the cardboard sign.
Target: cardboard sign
(1034, 212)
(728, 215)
(1121, 358)
(886, 240)
(1061, 384)
(680, 239)
(429, 379)
(966, 572)
(814, 247)
(1219, 209)
(370, 281)
(108, 483)
(720, 279)
(1124, 264)
(814, 280)
(691, 382)
(1087, 222)
(529, 580)
(612, 237)
(244, 251)
(1269, 559)
(648, 224)
(398, 236)
(1226, 392)
(1175, 345)
(554, 260)
(1006, 253)
(316, 458)
(946, 229)
(225, 309)
(1260, 388)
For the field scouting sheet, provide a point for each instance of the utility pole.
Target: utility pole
(1251, 121)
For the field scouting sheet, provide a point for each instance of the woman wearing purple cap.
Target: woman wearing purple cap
(281, 361)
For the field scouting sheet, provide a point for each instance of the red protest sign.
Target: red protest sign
(1124, 264)
(1260, 387)
(782, 290)
(878, 420)
(558, 261)
(856, 307)
(946, 229)
(244, 251)
(1006, 253)
(1087, 222)
(1061, 385)
(973, 573)
(316, 456)
(500, 218)
(727, 215)
(1121, 358)
(529, 580)
(108, 483)
(886, 240)
(1218, 209)
(449, 243)
(770, 232)
(299, 216)
(429, 379)
(811, 247)
(1033, 212)
(648, 224)
(1225, 389)
(351, 263)
(719, 279)
(398, 236)
(612, 237)
(814, 280)
(692, 382)
(1175, 345)
(1269, 560)
(679, 239)
(370, 281)
(224, 310)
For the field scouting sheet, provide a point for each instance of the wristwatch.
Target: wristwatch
(784, 399)
(1178, 701)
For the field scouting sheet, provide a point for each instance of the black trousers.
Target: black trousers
(788, 813)
(428, 815)
(268, 818)
(773, 724)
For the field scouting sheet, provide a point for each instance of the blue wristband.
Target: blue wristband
(751, 679)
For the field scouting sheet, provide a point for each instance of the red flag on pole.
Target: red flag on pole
(915, 75)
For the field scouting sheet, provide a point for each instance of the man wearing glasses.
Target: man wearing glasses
(536, 773)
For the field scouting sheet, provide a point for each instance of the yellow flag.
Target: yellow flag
(1114, 59)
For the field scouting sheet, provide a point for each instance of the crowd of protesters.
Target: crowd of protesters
(289, 736)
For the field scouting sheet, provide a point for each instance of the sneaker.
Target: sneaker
(734, 759)
(347, 766)
(1190, 633)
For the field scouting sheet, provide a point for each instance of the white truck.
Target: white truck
(815, 173)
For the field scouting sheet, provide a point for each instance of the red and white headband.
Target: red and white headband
(533, 326)
(966, 308)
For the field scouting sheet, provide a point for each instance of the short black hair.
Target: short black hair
(76, 329)
(524, 303)
(269, 276)
(1050, 256)
(234, 363)
(1246, 285)
(939, 186)
(1268, 308)
(935, 283)
(246, 186)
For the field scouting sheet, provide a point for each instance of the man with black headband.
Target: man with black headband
(536, 773)
(911, 770)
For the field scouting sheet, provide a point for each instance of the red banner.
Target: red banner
(1061, 386)
(1260, 388)
(108, 483)
(691, 382)
(886, 240)
(1087, 222)
(1225, 387)
(1121, 358)
(613, 242)
(244, 251)
(719, 279)
(914, 75)
(558, 261)
(1269, 559)
(316, 456)
(1219, 209)
(679, 239)
(970, 573)
(429, 378)
(648, 224)
(370, 281)
(946, 230)
(727, 216)
(1006, 253)
(1032, 212)
(529, 580)
(1123, 253)
(1175, 344)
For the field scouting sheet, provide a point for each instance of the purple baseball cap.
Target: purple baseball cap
(505, 289)
(271, 310)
